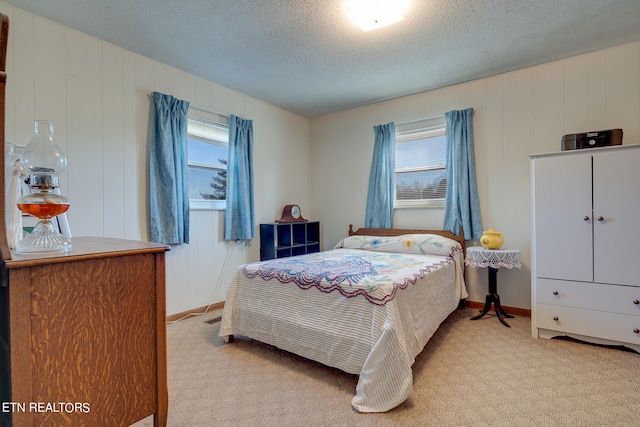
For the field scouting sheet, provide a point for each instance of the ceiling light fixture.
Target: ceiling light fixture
(374, 14)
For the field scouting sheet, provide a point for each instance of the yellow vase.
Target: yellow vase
(491, 239)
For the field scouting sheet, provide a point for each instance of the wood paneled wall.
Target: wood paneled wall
(516, 114)
(98, 97)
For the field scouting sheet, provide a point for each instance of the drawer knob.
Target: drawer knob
(586, 218)
(600, 218)
(636, 301)
(555, 292)
(555, 318)
(636, 331)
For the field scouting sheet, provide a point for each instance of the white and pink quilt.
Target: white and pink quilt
(368, 307)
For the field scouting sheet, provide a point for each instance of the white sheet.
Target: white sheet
(377, 342)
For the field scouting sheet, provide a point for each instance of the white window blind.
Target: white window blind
(421, 155)
(209, 131)
(207, 144)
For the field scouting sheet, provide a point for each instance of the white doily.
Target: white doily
(478, 256)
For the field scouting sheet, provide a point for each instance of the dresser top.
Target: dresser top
(86, 248)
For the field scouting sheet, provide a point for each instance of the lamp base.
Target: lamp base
(43, 238)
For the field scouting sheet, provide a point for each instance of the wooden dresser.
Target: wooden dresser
(83, 335)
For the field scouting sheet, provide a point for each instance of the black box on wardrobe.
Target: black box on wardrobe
(601, 138)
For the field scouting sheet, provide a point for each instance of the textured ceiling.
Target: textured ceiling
(307, 56)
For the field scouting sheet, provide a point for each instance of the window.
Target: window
(421, 157)
(207, 141)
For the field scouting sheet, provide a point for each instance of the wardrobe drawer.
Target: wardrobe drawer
(599, 324)
(594, 296)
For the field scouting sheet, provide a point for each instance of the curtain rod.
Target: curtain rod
(205, 110)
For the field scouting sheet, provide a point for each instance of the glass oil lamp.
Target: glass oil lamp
(43, 160)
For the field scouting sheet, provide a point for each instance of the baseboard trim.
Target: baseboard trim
(511, 310)
(195, 312)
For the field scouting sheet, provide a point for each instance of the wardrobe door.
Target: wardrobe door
(562, 217)
(616, 200)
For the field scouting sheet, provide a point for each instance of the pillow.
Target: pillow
(427, 244)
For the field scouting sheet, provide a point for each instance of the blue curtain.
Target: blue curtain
(462, 208)
(168, 176)
(239, 214)
(379, 213)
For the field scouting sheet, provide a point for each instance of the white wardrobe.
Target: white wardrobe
(586, 244)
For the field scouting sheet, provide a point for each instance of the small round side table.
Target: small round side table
(478, 256)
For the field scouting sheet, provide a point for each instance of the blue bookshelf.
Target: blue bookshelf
(281, 240)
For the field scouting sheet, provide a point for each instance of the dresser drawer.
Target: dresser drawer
(599, 324)
(593, 296)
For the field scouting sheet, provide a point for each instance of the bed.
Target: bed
(367, 307)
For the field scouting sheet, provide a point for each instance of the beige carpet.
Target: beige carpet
(471, 373)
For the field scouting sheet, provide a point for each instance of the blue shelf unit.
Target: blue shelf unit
(281, 240)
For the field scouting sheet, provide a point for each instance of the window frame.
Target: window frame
(217, 121)
(408, 131)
